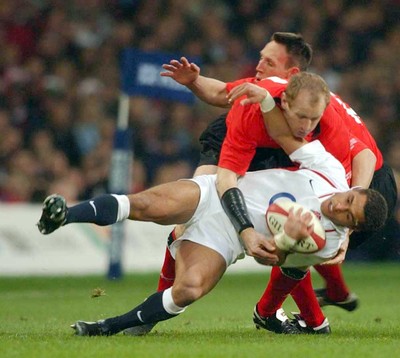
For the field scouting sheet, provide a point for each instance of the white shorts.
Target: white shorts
(210, 226)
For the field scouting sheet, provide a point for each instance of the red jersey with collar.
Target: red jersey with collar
(246, 131)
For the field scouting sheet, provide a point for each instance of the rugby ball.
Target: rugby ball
(276, 217)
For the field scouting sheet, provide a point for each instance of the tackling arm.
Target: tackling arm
(231, 197)
(363, 168)
(208, 89)
(279, 130)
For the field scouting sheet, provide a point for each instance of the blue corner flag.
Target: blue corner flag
(141, 76)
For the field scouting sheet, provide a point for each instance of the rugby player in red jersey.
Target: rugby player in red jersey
(211, 241)
(285, 55)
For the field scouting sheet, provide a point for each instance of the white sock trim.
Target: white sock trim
(169, 304)
(124, 206)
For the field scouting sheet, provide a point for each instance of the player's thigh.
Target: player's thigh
(167, 204)
(198, 267)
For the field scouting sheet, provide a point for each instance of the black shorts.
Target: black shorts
(211, 142)
(383, 181)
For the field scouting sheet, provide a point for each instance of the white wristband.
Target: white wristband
(284, 242)
(267, 104)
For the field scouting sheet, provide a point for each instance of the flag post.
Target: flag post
(119, 183)
(140, 76)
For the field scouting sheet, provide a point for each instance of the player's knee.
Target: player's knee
(139, 204)
(148, 206)
(188, 291)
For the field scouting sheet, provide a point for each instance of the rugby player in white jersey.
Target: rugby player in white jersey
(211, 242)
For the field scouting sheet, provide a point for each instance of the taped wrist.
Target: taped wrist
(267, 104)
(284, 241)
(235, 207)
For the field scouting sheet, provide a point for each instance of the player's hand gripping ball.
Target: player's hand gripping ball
(276, 216)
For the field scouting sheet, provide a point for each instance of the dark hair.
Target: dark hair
(375, 211)
(300, 52)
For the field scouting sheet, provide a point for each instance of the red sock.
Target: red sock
(336, 289)
(304, 296)
(279, 286)
(167, 274)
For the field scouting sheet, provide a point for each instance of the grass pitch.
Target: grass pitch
(35, 314)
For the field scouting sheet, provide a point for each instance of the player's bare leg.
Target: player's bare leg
(165, 204)
(198, 271)
(167, 273)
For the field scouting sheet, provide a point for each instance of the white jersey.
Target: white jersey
(319, 176)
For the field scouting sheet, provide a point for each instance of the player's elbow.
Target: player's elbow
(226, 179)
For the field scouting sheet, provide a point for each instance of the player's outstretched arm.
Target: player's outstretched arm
(209, 90)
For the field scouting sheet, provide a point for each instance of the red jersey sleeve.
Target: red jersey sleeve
(231, 85)
(356, 146)
(245, 132)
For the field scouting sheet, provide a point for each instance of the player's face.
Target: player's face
(302, 115)
(345, 209)
(273, 60)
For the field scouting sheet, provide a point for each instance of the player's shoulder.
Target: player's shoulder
(231, 85)
(340, 106)
(275, 85)
(275, 79)
(331, 118)
(335, 98)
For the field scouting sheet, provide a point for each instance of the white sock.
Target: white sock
(124, 206)
(169, 304)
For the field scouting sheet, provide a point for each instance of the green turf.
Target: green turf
(35, 314)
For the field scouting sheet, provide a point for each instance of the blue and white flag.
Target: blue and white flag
(141, 76)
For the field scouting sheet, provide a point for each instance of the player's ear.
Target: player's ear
(293, 71)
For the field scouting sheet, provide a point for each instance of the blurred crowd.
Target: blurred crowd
(60, 80)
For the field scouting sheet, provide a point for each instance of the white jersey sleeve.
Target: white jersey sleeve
(313, 156)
